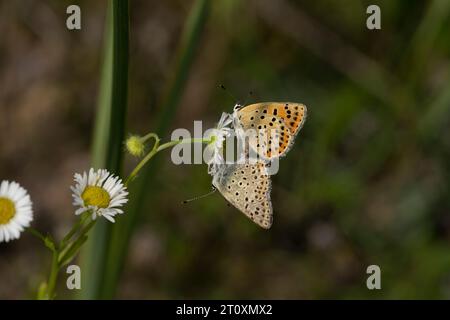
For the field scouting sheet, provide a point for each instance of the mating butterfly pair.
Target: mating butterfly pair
(247, 185)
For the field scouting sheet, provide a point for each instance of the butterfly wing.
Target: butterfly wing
(276, 125)
(247, 187)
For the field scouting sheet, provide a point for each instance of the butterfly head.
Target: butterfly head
(237, 107)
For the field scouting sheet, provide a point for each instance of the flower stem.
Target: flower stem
(36, 233)
(66, 256)
(74, 230)
(157, 148)
(149, 136)
(62, 253)
(53, 277)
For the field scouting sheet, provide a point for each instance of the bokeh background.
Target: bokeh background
(367, 181)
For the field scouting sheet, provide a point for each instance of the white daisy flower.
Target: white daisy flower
(99, 191)
(16, 211)
(219, 134)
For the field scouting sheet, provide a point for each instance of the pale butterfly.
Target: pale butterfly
(247, 185)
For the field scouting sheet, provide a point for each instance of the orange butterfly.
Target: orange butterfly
(276, 125)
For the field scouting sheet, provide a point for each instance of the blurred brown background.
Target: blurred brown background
(366, 183)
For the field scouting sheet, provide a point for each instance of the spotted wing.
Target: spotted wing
(276, 125)
(247, 187)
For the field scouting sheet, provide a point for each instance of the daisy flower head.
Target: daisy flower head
(99, 191)
(218, 136)
(16, 210)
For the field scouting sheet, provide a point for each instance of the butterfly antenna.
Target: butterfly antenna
(249, 94)
(202, 196)
(232, 96)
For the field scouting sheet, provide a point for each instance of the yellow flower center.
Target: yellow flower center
(7, 210)
(96, 196)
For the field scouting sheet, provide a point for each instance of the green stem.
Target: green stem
(149, 136)
(157, 148)
(184, 141)
(61, 256)
(36, 233)
(74, 230)
(72, 250)
(53, 277)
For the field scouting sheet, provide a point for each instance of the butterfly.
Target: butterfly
(247, 185)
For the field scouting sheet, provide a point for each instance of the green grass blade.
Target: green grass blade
(169, 103)
(108, 136)
(424, 39)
